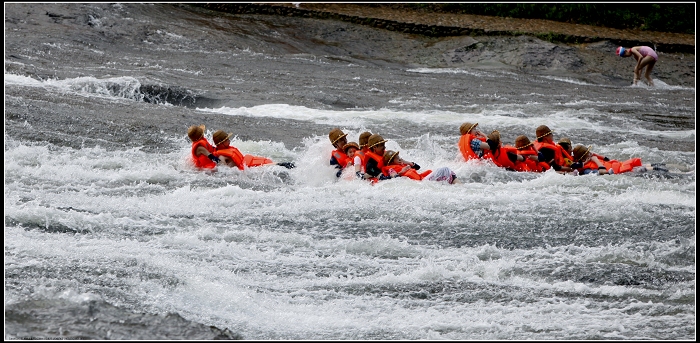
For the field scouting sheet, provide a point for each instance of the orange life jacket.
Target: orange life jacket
(411, 173)
(466, 149)
(529, 165)
(617, 166)
(500, 157)
(363, 158)
(568, 158)
(342, 158)
(561, 156)
(380, 164)
(241, 160)
(202, 161)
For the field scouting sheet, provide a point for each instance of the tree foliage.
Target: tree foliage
(664, 17)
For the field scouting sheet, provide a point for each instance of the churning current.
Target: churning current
(111, 233)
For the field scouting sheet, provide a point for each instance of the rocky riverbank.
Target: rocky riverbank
(397, 18)
(442, 40)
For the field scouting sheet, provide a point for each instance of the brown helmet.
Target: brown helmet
(542, 131)
(220, 136)
(522, 142)
(350, 145)
(389, 155)
(364, 138)
(565, 143)
(580, 152)
(335, 135)
(466, 127)
(196, 132)
(375, 139)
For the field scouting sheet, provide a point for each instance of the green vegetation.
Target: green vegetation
(663, 17)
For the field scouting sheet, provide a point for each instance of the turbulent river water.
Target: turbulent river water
(111, 233)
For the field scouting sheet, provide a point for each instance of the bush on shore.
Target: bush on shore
(663, 17)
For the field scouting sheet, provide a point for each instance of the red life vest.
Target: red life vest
(342, 158)
(466, 149)
(241, 160)
(363, 159)
(568, 159)
(379, 159)
(411, 173)
(617, 166)
(500, 157)
(561, 156)
(529, 165)
(380, 163)
(202, 161)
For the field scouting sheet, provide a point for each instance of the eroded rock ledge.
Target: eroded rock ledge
(464, 24)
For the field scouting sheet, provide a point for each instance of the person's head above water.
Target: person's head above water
(196, 132)
(620, 51)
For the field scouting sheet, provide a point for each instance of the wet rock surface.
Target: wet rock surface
(256, 59)
(484, 41)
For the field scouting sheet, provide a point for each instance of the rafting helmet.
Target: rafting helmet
(565, 143)
(580, 152)
(350, 145)
(542, 131)
(364, 138)
(335, 135)
(195, 132)
(522, 142)
(220, 136)
(466, 127)
(389, 156)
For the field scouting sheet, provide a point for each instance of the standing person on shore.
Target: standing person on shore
(646, 58)
(202, 152)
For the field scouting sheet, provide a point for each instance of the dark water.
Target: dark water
(111, 234)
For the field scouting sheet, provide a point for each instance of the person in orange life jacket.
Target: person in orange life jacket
(352, 150)
(338, 157)
(374, 165)
(202, 152)
(473, 143)
(592, 161)
(233, 157)
(558, 158)
(396, 166)
(531, 161)
(364, 138)
(583, 155)
(504, 156)
(565, 143)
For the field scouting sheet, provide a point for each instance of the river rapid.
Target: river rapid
(111, 233)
